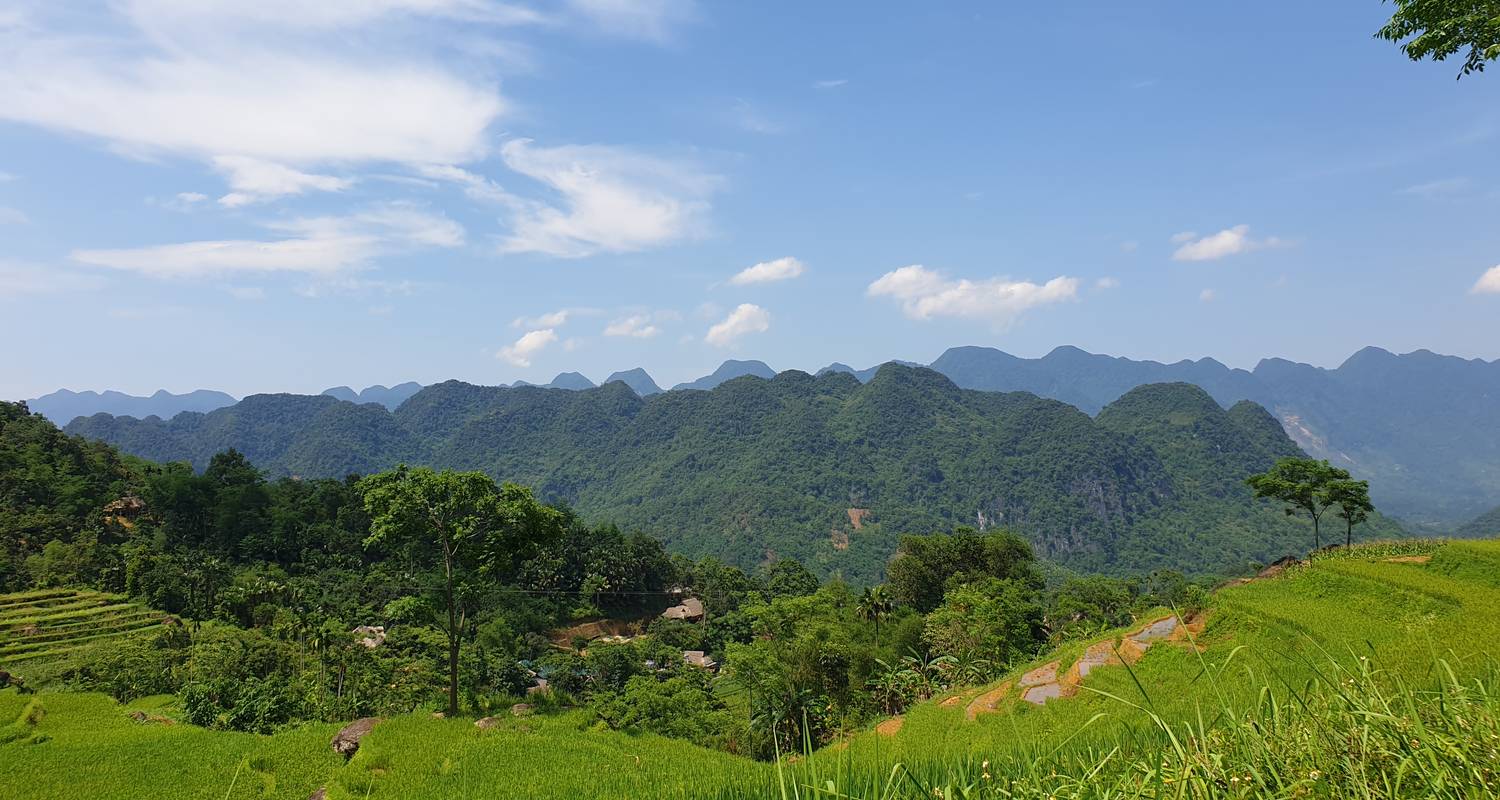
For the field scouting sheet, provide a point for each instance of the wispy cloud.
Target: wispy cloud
(925, 294)
(1208, 295)
(830, 84)
(1107, 283)
(12, 216)
(744, 320)
(780, 269)
(610, 200)
(254, 180)
(310, 245)
(1225, 243)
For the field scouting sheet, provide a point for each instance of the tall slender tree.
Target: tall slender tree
(1302, 484)
(1351, 498)
(460, 526)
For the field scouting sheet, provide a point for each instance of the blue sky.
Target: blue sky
(272, 197)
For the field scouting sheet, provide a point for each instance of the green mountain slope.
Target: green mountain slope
(824, 469)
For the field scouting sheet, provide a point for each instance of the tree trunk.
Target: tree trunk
(1317, 543)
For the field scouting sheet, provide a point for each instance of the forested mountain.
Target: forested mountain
(637, 379)
(825, 469)
(729, 370)
(390, 397)
(1423, 428)
(63, 405)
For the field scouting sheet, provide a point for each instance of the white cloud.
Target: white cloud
(925, 293)
(1488, 283)
(12, 216)
(19, 278)
(552, 319)
(746, 319)
(254, 180)
(6, 177)
(768, 271)
(1185, 236)
(1107, 283)
(262, 91)
(830, 84)
(1208, 295)
(526, 347)
(1129, 246)
(637, 325)
(611, 200)
(322, 246)
(1228, 242)
(191, 198)
(640, 19)
(280, 107)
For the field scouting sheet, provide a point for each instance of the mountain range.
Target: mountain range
(1423, 428)
(826, 469)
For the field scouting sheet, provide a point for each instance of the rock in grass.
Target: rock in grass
(521, 710)
(320, 794)
(346, 741)
(486, 723)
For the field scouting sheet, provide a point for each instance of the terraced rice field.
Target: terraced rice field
(56, 624)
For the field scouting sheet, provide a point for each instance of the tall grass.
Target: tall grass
(1354, 732)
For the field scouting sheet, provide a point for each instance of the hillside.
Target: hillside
(1305, 684)
(1484, 525)
(826, 469)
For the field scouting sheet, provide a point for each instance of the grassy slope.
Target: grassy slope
(1283, 633)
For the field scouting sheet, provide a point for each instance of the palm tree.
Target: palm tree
(875, 605)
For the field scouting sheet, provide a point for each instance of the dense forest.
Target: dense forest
(293, 599)
(822, 469)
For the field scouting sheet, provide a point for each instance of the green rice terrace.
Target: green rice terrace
(1368, 672)
(47, 627)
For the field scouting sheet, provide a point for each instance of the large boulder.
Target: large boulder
(346, 741)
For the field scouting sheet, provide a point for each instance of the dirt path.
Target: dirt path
(890, 727)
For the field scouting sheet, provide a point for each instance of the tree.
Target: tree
(875, 605)
(461, 525)
(1352, 499)
(1441, 28)
(925, 567)
(1302, 484)
(786, 577)
(992, 619)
